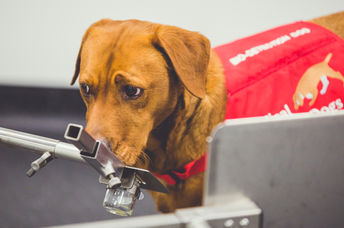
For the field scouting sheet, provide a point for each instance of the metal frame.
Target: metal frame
(240, 213)
(288, 165)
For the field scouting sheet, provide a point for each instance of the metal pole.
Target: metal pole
(40, 144)
(122, 192)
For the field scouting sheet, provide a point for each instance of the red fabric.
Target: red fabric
(190, 169)
(277, 72)
(167, 178)
(263, 71)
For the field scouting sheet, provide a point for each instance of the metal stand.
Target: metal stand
(123, 182)
(239, 213)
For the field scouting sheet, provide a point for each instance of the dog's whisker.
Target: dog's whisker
(144, 157)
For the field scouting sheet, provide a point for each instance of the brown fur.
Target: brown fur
(183, 99)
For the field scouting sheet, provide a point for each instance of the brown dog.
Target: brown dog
(154, 93)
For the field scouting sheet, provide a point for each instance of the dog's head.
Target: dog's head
(131, 75)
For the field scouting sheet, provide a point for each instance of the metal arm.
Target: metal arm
(85, 150)
(40, 145)
(123, 182)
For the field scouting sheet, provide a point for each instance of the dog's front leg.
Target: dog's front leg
(164, 202)
(188, 193)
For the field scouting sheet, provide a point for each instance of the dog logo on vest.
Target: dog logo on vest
(307, 86)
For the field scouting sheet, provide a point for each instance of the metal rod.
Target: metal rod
(103, 160)
(40, 144)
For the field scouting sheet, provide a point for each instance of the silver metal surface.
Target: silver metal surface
(149, 221)
(40, 145)
(292, 167)
(239, 209)
(96, 154)
(147, 179)
(68, 151)
(198, 223)
(39, 163)
(242, 212)
(125, 182)
(78, 137)
(58, 149)
(101, 158)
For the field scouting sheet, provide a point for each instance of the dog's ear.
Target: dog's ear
(77, 67)
(189, 54)
(84, 38)
(78, 60)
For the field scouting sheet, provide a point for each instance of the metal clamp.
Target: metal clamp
(113, 171)
(39, 163)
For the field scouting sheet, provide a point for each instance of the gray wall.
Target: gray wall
(40, 38)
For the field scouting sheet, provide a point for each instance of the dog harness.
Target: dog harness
(188, 170)
(290, 69)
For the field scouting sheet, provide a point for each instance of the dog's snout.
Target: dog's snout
(97, 135)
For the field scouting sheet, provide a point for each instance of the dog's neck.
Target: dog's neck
(181, 138)
(166, 143)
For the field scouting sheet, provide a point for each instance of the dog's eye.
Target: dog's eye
(85, 89)
(131, 92)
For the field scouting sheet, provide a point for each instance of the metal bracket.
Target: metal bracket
(98, 155)
(39, 163)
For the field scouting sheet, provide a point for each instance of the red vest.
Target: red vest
(293, 68)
